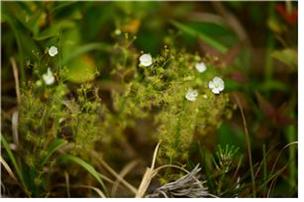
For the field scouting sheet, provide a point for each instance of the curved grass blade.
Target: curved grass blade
(14, 162)
(7, 168)
(12, 23)
(54, 146)
(84, 49)
(98, 191)
(86, 166)
(194, 33)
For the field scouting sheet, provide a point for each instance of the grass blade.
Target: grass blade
(98, 191)
(11, 157)
(7, 168)
(14, 28)
(194, 33)
(84, 49)
(86, 166)
(14, 162)
(54, 146)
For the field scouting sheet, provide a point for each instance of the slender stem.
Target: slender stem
(247, 137)
(264, 167)
(270, 44)
(108, 168)
(67, 181)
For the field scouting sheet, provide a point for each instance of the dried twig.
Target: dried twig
(15, 116)
(122, 174)
(148, 176)
(67, 182)
(187, 186)
(15, 71)
(115, 174)
(8, 169)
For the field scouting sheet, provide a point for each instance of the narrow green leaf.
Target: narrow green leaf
(54, 146)
(192, 32)
(14, 162)
(12, 24)
(287, 56)
(61, 6)
(85, 48)
(11, 156)
(55, 30)
(272, 85)
(86, 166)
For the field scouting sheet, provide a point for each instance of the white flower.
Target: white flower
(53, 51)
(191, 95)
(145, 60)
(216, 85)
(200, 67)
(48, 77)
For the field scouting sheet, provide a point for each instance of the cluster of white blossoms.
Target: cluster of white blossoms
(49, 77)
(216, 85)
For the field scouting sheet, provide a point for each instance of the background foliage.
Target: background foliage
(99, 120)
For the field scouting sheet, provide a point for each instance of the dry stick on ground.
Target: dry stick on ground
(67, 182)
(8, 169)
(148, 176)
(15, 71)
(114, 173)
(178, 187)
(187, 186)
(15, 116)
(122, 174)
(248, 145)
(97, 190)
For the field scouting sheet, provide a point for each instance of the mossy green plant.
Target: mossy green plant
(172, 91)
(160, 90)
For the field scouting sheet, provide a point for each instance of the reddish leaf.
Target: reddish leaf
(290, 17)
(265, 106)
(222, 60)
(238, 76)
(276, 115)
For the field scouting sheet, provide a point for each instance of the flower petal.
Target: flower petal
(215, 91)
(211, 84)
(200, 67)
(145, 60)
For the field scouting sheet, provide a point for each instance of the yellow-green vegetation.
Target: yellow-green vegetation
(159, 91)
(148, 99)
